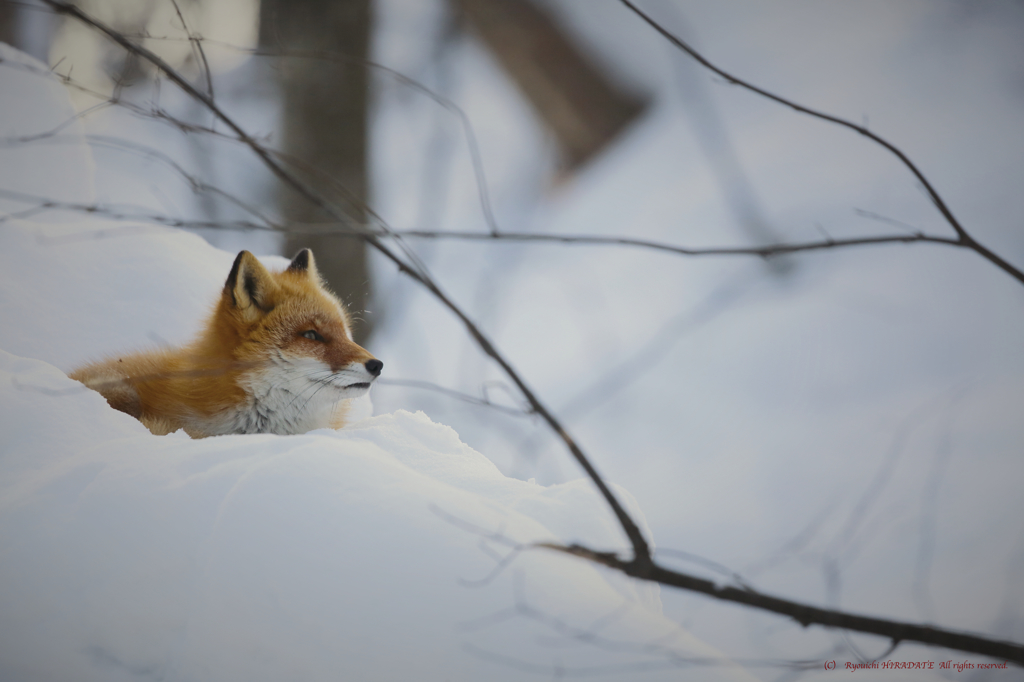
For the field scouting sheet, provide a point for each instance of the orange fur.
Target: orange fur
(253, 368)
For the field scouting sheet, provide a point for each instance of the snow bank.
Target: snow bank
(131, 556)
(332, 555)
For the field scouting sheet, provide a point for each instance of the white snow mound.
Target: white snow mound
(332, 555)
(335, 555)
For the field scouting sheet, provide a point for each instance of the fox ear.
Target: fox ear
(250, 285)
(303, 262)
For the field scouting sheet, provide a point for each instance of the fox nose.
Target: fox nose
(374, 367)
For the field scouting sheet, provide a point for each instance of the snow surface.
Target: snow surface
(847, 434)
(332, 555)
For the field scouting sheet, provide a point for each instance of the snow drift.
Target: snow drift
(333, 555)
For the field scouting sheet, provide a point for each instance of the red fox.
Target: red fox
(275, 356)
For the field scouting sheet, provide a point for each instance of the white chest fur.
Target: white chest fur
(292, 396)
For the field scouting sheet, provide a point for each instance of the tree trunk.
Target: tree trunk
(582, 107)
(324, 126)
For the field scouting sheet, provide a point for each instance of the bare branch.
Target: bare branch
(332, 229)
(804, 614)
(197, 47)
(964, 238)
(465, 397)
(590, 635)
(14, 141)
(878, 217)
(763, 251)
(641, 549)
(476, 159)
(640, 565)
(896, 631)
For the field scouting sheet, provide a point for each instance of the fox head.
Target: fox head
(295, 336)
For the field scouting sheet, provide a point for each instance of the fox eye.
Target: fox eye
(313, 335)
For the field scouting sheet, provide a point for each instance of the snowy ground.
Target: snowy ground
(845, 434)
(334, 555)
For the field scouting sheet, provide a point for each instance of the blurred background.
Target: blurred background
(842, 427)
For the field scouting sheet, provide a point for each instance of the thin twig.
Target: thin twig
(766, 251)
(965, 239)
(640, 565)
(465, 397)
(330, 229)
(197, 46)
(475, 156)
(641, 551)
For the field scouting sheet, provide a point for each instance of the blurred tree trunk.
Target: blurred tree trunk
(26, 27)
(582, 107)
(325, 127)
(8, 23)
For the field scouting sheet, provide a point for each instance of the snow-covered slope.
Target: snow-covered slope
(132, 556)
(346, 555)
